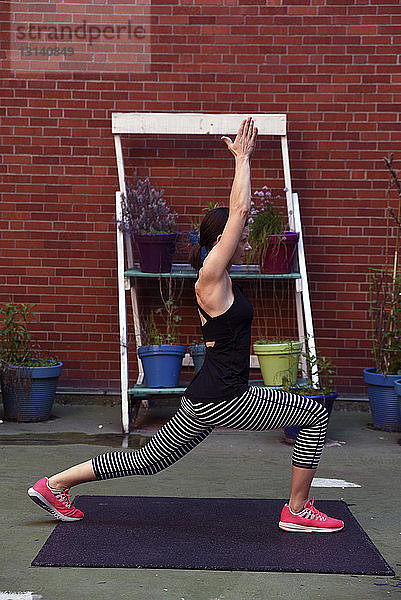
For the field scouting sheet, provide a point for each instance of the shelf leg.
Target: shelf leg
(303, 292)
(122, 315)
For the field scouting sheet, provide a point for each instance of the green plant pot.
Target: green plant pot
(278, 362)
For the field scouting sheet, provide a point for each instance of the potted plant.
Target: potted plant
(28, 378)
(323, 392)
(148, 219)
(161, 357)
(278, 360)
(385, 312)
(272, 243)
(193, 235)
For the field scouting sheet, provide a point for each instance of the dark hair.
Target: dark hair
(211, 227)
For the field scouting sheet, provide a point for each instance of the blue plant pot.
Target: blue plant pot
(161, 364)
(383, 399)
(327, 401)
(193, 237)
(197, 352)
(31, 403)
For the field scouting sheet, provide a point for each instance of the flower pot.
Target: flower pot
(156, 251)
(384, 401)
(31, 402)
(327, 401)
(193, 237)
(278, 361)
(397, 389)
(280, 253)
(197, 352)
(161, 364)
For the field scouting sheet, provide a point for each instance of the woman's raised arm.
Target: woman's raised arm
(242, 148)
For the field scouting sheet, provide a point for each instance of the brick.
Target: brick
(334, 160)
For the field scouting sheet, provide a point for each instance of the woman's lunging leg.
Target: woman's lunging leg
(309, 443)
(175, 439)
(263, 409)
(82, 473)
(300, 485)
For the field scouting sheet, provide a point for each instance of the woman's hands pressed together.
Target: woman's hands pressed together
(244, 143)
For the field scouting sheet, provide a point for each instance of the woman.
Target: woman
(219, 394)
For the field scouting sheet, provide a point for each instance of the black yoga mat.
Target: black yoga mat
(230, 534)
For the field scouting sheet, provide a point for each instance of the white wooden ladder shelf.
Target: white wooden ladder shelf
(196, 124)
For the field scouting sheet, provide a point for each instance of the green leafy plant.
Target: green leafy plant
(18, 347)
(144, 210)
(211, 205)
(197, 342)
(168, 329)
(154, 333)
(19, 350)
(266, 219)
(385, 292)
(385, 312)
(195, 222)
(274, 340)
(325, 372)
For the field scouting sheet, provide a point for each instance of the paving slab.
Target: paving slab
(227, 464)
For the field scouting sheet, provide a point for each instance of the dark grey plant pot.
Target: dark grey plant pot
(197, 352)
(26, 403)
(383, 399)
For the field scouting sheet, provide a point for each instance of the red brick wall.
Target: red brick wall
(331, 66)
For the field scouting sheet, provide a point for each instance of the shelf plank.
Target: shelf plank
(195, 123)
(142, 390)
(186, 271)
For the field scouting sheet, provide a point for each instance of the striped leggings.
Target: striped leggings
(258, 409)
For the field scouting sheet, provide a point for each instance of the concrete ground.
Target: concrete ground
(227, 464)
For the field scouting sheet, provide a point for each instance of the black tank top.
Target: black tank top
(225, 371)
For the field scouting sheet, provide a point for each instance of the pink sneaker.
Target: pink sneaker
(56, 502)
(308, 520)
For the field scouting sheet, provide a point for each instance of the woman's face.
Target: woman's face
(243, 247)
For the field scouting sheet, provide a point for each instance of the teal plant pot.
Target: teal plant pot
(31, 402)
(198, 352)
(161, 364)
(384, 400)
